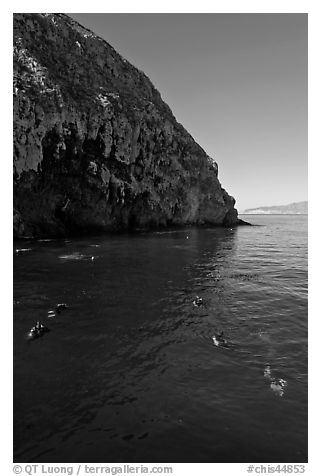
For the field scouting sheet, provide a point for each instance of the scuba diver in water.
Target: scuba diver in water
(61, 307)
(37, 331)
(219, 339)
(198, 301)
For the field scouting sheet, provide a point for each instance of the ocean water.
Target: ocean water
(130, 373)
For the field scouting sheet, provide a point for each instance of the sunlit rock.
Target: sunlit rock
(95, 147)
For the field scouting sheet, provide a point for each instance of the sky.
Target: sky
(237, 82)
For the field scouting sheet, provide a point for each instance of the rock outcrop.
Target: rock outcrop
(95, 147)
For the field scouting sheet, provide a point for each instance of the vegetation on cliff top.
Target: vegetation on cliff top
(95, 145)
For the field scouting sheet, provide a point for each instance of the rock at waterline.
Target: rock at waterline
(99, 151)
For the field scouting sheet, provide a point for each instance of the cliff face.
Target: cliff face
(95, 147)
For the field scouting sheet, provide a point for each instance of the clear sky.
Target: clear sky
(238, 84)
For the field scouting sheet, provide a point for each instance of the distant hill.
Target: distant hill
(298, 208)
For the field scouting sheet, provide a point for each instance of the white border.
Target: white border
(273, 6)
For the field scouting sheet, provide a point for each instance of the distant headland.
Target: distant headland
(297, 208)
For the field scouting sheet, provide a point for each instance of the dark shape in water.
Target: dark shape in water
(141, 437)
(219, 340)
(61, 307)
(198, 301)
(277, 385)
(37, 331)
(128, 437)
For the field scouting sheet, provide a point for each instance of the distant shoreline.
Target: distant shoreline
(265, 214)
(295, 208)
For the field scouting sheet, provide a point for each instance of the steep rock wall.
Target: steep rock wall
(95, 147)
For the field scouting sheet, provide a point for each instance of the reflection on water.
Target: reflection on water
(130, 373)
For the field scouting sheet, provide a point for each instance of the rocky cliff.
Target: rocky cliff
(95, 147)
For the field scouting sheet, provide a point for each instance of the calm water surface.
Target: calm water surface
(130, 373)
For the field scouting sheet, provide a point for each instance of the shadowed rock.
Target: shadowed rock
(95, 147)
